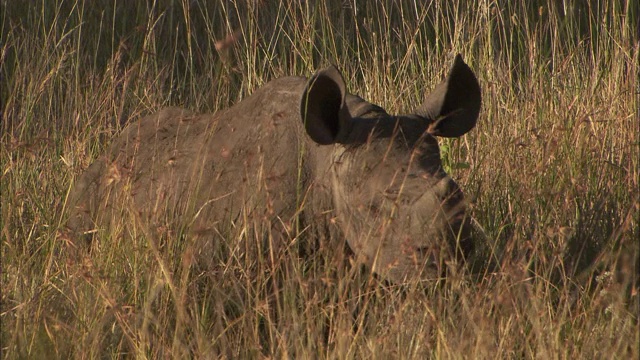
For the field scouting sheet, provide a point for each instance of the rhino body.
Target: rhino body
(295, 148)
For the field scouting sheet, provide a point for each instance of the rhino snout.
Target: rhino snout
(439, 211)
(457, 223)
(451, 198)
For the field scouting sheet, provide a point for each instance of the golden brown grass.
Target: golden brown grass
(552, 168)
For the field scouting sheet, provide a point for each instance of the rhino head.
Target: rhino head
(402, 215)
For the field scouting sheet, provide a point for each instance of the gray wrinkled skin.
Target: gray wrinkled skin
(297, 141)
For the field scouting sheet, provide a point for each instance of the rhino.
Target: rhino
(297, 148)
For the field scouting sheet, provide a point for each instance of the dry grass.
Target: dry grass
(552, 168)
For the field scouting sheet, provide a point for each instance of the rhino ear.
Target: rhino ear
(453, 106)
(322, 108)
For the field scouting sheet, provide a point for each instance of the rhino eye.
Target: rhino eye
(391, 194)
(374, 210)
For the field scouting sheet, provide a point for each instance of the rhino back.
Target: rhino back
(200, 169)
